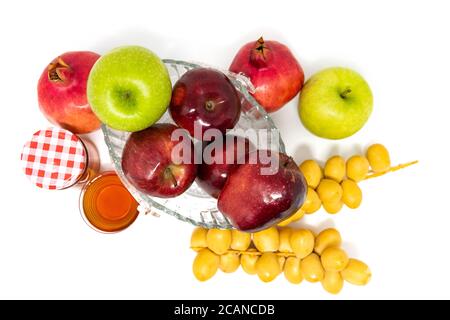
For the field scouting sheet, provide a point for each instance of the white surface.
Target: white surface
(401, 229)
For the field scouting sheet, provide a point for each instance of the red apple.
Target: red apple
(151, 164)
(254, 200)
(62, 92)
(219, 159)
(205, 98)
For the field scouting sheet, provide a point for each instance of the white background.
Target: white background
(401, 230)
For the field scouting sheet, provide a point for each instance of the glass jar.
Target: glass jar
(57, 159)
(106, 205)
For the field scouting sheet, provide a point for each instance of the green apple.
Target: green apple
(129, 88)
(335, 103)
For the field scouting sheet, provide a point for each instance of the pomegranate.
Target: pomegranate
(62, 92)
(273, 70)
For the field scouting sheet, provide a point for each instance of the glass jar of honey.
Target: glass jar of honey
(56, 159)
(106, 204)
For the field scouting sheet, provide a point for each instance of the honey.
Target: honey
(107, 205)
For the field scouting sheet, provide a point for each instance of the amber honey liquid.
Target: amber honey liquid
(107, 205)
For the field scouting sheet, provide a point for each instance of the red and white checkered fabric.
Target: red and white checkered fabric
(54, 158)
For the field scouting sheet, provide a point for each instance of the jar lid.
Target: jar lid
(54, 158)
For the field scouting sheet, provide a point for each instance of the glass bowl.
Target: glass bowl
(194, 206)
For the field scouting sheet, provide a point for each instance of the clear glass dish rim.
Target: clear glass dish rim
(243, 84)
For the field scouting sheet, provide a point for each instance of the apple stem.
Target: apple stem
(392, 169)
(168, 174)
(345, 93)
(209, 106)
(126, 95)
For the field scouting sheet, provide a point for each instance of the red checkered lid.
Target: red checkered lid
(54, 158)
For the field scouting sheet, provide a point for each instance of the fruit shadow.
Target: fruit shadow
(163, 45)
(302, 152)
(310, 66)
(168, 47)
(316, 227)
(313, 66)
(351, 249)
(254, 34)
(345, 151)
